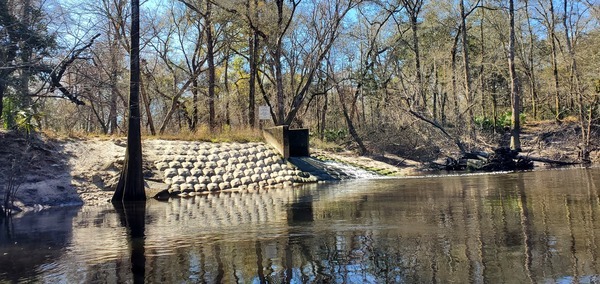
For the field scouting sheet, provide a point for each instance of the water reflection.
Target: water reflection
(519, 228)
(33, 242)
(133, 218)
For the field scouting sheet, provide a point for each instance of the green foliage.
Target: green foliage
(19, 119)
(25, 120)
(502, 121)
(9, 113)
(484, 122)
(331, 135)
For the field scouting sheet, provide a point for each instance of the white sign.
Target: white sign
(264, 112)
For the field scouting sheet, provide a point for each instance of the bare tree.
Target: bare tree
(515, 141)
(549, 21)
(466, 67)
(413, 8)
(585, 120)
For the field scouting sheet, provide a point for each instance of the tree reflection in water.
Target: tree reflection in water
(476, 229)
(133, 217)
(517, 228)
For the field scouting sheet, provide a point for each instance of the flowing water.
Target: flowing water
(533, 227)
(350, 171)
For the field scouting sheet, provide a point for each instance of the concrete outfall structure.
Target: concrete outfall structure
(190, 168)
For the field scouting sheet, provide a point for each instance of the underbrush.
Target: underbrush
(325, 145)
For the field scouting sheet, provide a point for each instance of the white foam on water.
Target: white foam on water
(351, 171)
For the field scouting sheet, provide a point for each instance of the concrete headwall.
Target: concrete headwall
(288, 142)
(277, 137)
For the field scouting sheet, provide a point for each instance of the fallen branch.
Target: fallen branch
(503, 159)
(456, 141)
(548, 161)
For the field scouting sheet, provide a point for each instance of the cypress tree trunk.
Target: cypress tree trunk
(131, 181)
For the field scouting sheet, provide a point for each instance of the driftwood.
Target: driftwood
(549, 161)
(502, 159)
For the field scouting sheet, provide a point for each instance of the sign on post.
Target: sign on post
(264, 113)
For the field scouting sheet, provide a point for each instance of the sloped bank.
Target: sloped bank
(189, 168)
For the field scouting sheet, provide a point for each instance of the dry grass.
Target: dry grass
(226, 134)
(324, 145)
(78, 135)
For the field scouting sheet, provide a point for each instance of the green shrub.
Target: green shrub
(335, 135)
(484, 122)
(25, 120)
(9, 113)
(502, 121)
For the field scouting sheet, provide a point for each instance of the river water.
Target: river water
(531, 227)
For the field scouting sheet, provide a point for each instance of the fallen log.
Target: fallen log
(549, 161)
(502, 159)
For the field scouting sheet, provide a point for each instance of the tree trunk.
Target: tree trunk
(361, 146)
(494, 106)
(557, 112)
(454, 87)
(323, 116)
(413, 8)
(195, 95)
(112, 113)
(99, 118)
(481, 66)
(467, 70)
(210, 56)
(253, 62)
(146, 101)
(278, 68)
(25, 54)
(532, 82)
(435, 94)
(515, 141)
(174, 104)
(113, 79)
(2, 88)
(415, 35)
(585, 153)
(131, 182)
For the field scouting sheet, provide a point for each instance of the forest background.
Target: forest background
(407, 77)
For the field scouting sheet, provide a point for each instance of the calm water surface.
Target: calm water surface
(530, 227)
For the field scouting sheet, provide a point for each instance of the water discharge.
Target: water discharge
(350, 171)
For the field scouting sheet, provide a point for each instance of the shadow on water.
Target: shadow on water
(29, 242)
(133, 217)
